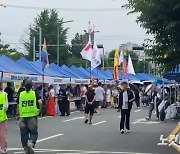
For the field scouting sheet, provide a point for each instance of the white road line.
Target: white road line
(76, 118)
(19, 150)
(138, 110)
(48, 138)
(75, 112)
(99, 123)
(45, 117)
(144, 121)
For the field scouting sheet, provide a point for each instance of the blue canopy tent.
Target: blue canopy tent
(48, 71)
(27, 64)
(142, 77)
(173, 75)
(96, 73)
(14, 67)
(107, 73)
(58, 69)
(128, 77)
(75, 75)
(77, 71)
(84, 71)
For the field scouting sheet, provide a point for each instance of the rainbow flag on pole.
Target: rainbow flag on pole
(44, 55)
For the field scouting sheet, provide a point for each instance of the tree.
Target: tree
(160, 18)
(11, 53)
(49, 21)
(77, 45)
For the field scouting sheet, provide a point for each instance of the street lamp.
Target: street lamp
(58, 41)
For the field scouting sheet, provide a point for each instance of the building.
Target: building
(133, 47)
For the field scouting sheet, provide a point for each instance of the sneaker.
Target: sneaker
(86, 121)
(26, 150)
(122, 131)
(148, 119)
(98, 112)
(3, 151)
(90, 123)
(30, 147)
(127, 131)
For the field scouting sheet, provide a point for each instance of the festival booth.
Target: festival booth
(12, 71)
(174, 90)
(49, 75)
(76, 77)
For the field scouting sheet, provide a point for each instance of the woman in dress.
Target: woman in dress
(51, 102)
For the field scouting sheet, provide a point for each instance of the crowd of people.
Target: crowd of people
(43, 100)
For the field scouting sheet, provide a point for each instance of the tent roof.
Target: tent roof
(49, 71)
(77, 71)
(12, 66)
(27, 64)
(73, 74)
(97, 73)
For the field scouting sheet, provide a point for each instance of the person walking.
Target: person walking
(126, 98)
(3, 120)
(154, 103)
(89, 109)
(108, 97)
(83, 96)
(30, 105)
(99, 92)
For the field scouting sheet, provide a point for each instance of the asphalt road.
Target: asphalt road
(69, 135)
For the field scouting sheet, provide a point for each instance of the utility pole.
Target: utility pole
(40, 41)
(58, 40)
(34, 48)
(58, 44)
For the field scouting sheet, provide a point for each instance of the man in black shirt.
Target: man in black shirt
(10, 92)
(90, 99)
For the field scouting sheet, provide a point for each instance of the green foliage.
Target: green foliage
(49, 21)
(77, 45)
(76, 61)
(160, 18)
(12, 53)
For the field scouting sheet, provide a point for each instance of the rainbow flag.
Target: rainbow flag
(44, 56)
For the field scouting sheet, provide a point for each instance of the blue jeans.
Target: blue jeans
(29, 130)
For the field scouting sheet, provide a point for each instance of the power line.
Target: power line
(66, 9)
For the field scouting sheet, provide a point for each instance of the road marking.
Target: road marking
(48, 138)
(20, 150)
(75, 112)
(76, 118)
(45, 117)
(144, 121)
(99, 123)
(138, 110)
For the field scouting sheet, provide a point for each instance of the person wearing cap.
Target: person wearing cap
(126, 98)
(29, 107)
(89, 109)
(3, 119)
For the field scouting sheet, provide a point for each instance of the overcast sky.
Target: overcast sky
(116, 27)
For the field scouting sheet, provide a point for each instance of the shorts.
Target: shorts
(98, 103)
(89, 109)
(83, 100)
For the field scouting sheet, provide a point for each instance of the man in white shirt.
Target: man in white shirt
(99, 91)
(126, 98)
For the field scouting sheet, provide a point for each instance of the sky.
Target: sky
(116, 27)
